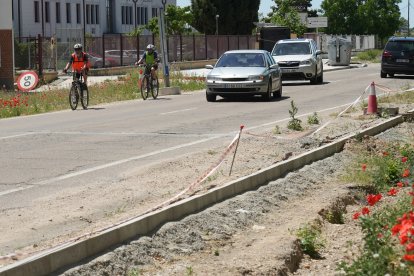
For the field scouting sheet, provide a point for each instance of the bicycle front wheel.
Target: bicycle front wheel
(144, 88)
(73, 97)
(155, 88)
(85, 97)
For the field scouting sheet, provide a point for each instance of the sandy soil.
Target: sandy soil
(251, 234)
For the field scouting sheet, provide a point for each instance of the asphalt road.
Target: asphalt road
(49, 153)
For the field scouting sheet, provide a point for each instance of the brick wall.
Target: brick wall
(6, 52)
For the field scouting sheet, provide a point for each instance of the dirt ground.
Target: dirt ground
(252, 234)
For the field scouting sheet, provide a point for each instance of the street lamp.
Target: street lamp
(217, 18)
(135, 9)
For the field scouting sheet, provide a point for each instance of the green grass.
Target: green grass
(373, 55)
(14, 104)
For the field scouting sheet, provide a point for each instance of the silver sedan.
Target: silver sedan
(244, 72)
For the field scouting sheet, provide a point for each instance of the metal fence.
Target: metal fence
(359, 42)
(121, 50)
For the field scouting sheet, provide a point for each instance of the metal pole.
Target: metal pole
(84, 24)
(408, 17)
(163, 43)
(217, 18)
(43, 21)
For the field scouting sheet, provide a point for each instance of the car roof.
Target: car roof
(294, 40)
(246, 51)
(400, 38)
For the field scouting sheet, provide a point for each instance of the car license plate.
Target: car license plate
(404, 60)
(289, 70)
(233, 85)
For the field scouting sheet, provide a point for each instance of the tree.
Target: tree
(236, 20)
(177, 20)
(286, 13)
(381, 17)
(344, 16)
(362, 16)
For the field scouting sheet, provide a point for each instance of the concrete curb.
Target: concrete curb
(165, 91)
(52, 260)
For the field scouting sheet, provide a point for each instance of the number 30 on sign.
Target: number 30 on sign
(27, 81)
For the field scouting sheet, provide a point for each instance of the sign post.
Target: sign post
(317, 22)
(163, 42)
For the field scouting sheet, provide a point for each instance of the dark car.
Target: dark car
(398, 57)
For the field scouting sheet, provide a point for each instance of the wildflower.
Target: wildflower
(392, 192)
(406, 173)
(409, 247)
(356, 215)
(385, 153)
(365, 211)
(372, 199)
(400, 184)
(380, 236)
(364, 167)
(376, 255)
(404, 159)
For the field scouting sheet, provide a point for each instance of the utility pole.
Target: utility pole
(408, 31)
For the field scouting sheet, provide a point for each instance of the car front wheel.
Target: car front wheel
(211, 97)
(268, 94)
(278, 93)
(383, 75)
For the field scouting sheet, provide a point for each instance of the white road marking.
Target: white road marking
(15, 136)
(178, 111)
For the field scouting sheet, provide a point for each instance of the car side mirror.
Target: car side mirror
(274, 66)
(208, 66)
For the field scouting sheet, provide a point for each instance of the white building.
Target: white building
(66, 19)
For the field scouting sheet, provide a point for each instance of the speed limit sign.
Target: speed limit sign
(27, 81)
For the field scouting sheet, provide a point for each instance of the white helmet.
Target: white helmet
(77, 46)
(150, 47)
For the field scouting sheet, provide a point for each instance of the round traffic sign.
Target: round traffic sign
(27, 81)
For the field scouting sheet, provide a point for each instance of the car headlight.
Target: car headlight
(256, 78)
(306, 62)
(213, 78)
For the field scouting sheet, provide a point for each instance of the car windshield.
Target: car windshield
(400, 46)
(294, 48)
(241, 60)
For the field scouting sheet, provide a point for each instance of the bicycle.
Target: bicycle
(78, 89)
(149, 84)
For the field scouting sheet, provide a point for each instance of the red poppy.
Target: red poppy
(400, 184)
(409, 257)
(372, 199)
(365, 211)
(404, 159)
(406, 173)
(380, 236)
(409, 247)
(392, 192)
(356, 215)
(385, 153)
(364, 167)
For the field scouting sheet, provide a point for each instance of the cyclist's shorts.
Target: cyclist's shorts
(148, 68)
(78, 74)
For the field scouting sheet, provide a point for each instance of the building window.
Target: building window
(154, 12)
(88, 14)
(142, 15)
(93, 14)
(47, 12)
(97, 14)
(57, 12)
(36, 11)
(68, 13)
(78, 13)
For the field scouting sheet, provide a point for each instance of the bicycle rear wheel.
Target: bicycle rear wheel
(145, 88)
(73, 97)
(155, 88)
(85, 97)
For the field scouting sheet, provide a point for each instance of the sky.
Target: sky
(265, 7)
